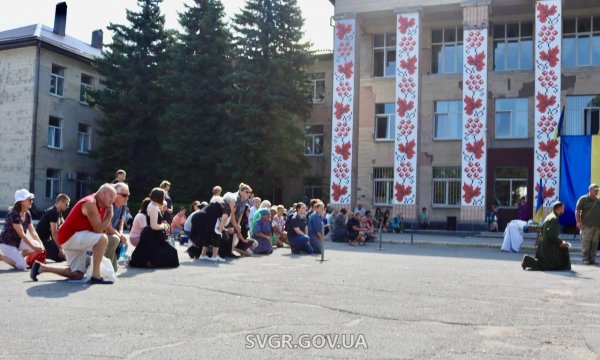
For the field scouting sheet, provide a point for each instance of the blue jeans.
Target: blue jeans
(300, 243)
(316, 245)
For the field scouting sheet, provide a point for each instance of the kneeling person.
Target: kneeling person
(261, 232)
(83, 231)
(552, 253)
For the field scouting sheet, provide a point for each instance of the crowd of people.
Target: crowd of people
(229, 225)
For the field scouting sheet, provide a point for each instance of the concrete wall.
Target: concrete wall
(17, 79)
(72, 112)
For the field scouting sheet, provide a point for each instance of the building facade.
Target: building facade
(49, 128)
(454, 105)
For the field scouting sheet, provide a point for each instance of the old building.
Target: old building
(454, 105)
(48, 126)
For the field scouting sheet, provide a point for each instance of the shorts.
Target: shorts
(77, 246)
(15, 255)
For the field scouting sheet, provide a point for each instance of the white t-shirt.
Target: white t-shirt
(187, 226)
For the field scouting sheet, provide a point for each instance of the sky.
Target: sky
(85, 16)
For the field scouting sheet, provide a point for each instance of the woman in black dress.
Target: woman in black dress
(207, 230)
(153, 250)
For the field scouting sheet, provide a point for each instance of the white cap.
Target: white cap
(23, 194)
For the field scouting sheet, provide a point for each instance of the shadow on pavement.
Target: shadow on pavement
(131, 272)
(57, 288)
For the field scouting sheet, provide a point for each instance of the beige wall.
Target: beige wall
(17, 81)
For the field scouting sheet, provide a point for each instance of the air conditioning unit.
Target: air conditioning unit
(71, 176)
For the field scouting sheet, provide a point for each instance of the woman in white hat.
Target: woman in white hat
(14, 243)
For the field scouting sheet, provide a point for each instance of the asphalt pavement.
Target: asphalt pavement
(401, 302)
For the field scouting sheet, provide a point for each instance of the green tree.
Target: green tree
(271, 92)
(199, 83)
(134, 99)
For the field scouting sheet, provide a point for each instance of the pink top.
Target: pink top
(178, 221)
(139, 223)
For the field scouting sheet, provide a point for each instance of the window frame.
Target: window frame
(381, 177)
(314, 79)
(457, 45)
(575, 114)
(84, 88)
(58, 79)
(82, 183)
(437, 113)
(53, 184)
(576, 35)
(385, 48)
(520, 40)
(53, 129)
(80, 135)
(510, 182)
(513, 118)
(312, 137)
(446, 181)
(390, 118)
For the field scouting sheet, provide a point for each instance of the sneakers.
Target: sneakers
(203, 257)
(35, 270)
(100, 281)
(217, 259)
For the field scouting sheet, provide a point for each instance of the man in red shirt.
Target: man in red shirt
(82, 231)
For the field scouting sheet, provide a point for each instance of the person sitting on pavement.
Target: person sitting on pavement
(396, 224)
(255, 206)
(47, 227)
(279, 226)
(369, 227)
(178, 222)
(127, 219)
(139, 223)
(15, 245)
(83, 230)
(492, 218)
(552, 252)
(299, 241)
(316, 227)
(196, 207)
(245, 244)
(378, 218)
(153, 250)
(261, 232)
(356, 233)
(340, 232)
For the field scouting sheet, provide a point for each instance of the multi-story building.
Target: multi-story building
(454, 105)
(48, 126)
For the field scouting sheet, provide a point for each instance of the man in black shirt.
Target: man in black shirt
(47, 227)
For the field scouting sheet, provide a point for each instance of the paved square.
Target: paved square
(404, 302)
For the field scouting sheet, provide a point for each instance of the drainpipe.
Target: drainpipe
(36, 96)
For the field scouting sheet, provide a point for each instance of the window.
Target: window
(52, 183)
(54, 133)
(82, 183)
(446, 186)
(385, 121)
(383, 185)
(57, 80)
(513, 46)
(447, 50)
(510, 185)
(313, 140)
(313, 192)
(87, 84)
(581, 41)
(83, 138)
(384, 55)
(582, 115)
(448, 120)
(511, 118)
(318, 87)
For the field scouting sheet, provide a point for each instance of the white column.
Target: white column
(548, 30)
(343, 111)
(407, 113)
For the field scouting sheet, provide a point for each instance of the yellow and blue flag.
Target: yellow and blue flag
(539, 206)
